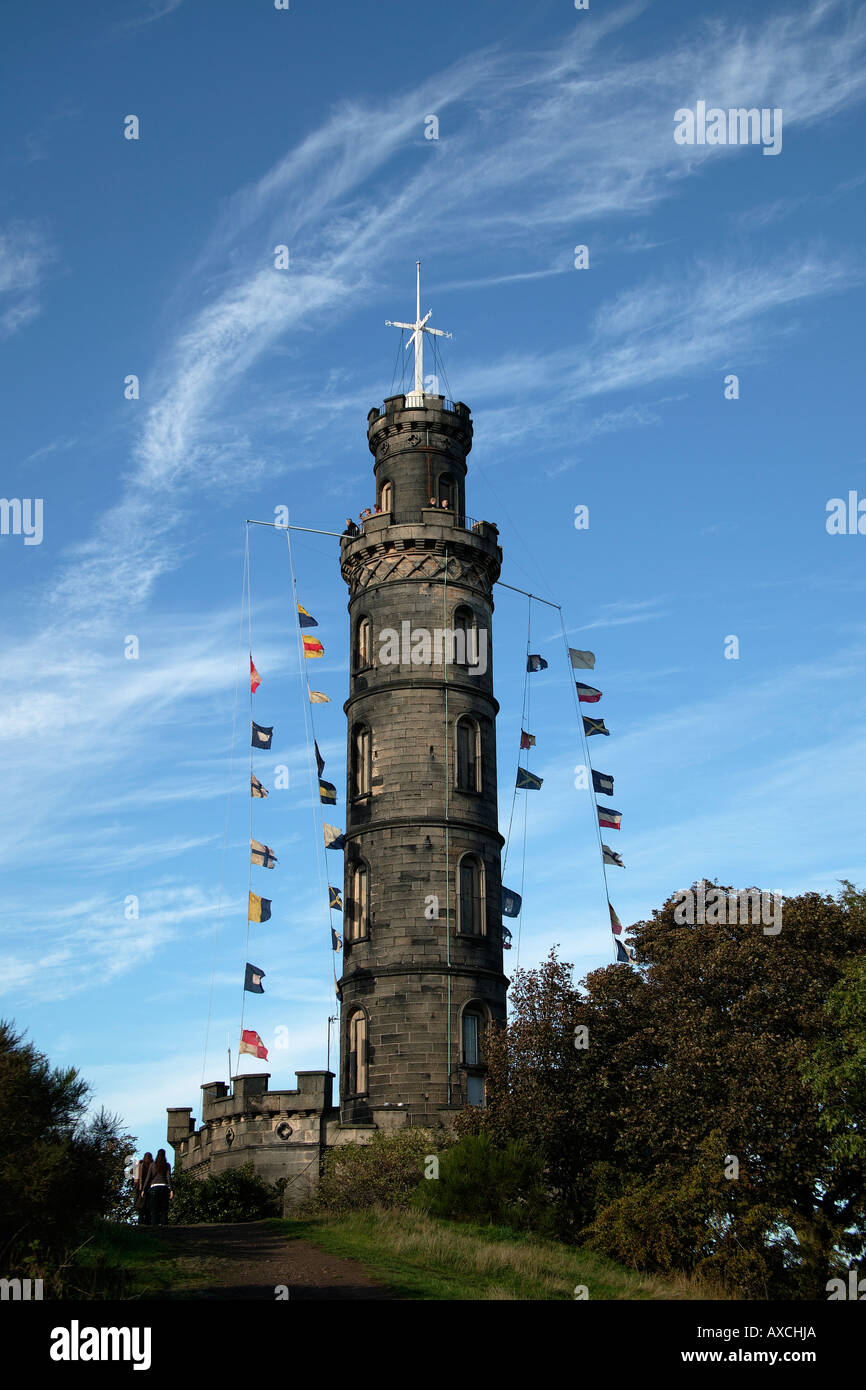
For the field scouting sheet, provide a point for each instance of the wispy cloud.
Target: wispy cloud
(150, 13)
(25, 254)
(623, 612)
(523, 165)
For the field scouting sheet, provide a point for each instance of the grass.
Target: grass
(422, 1257)
(138, 1264)
(418, 1256)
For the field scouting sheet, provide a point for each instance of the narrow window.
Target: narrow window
(362, 644)
(386, 500)
(360, 760)
(465, 637)
(475, 1090)
(470, 903)
(357, 917)
(471, 1030)
(357, 1078)
(468, 755)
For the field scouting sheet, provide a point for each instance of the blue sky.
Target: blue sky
(602, 387)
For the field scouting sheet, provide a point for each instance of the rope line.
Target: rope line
(250, 856)
(228, 808)
(310, 732)
(587, 764)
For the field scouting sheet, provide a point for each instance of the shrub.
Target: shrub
(239, 1194)
(384, 1172)
(59, 1172)
(478, 1182)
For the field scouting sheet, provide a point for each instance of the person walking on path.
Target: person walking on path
(142, 1168)
(157, 1185)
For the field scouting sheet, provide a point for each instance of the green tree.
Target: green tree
(479, 1182)
(836, 1069)
(59, 1171)
(686, 1135)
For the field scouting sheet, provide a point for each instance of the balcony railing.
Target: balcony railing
(414, 518)
(454, 407)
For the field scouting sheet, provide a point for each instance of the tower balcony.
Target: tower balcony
(407, 402)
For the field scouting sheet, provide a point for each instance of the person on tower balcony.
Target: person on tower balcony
(157, 1185)
(352, 529)
(365, 513)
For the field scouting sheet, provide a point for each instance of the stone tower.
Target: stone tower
(422, 942)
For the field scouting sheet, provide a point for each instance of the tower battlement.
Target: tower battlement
(282, 1133)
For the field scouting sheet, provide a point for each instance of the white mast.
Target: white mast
(418, 329)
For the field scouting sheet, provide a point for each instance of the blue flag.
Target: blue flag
(253, 979)
(527, 781)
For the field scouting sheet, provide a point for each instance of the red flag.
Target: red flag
(251, 1042)
(615, 923)
(526, 740)
(255, 678)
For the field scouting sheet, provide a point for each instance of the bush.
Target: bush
(478, 1182)
(239, 1194)
(384, 1172)
(59, 1172)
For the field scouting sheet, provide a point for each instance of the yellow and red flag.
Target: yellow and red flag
(255, 678)
(312, 646)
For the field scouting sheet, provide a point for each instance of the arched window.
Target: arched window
(386, 497)
(473, 1021)
(363, 644)
(357, 1054)
(468, 760)
(358, 914)
(465, 637)
(470, 896)
(361, 741)
(446, 491)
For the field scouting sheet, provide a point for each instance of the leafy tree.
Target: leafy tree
(686, 1134)
(836, 1069)
(59, 1171)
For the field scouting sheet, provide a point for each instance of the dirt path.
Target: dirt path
(250, 1261)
